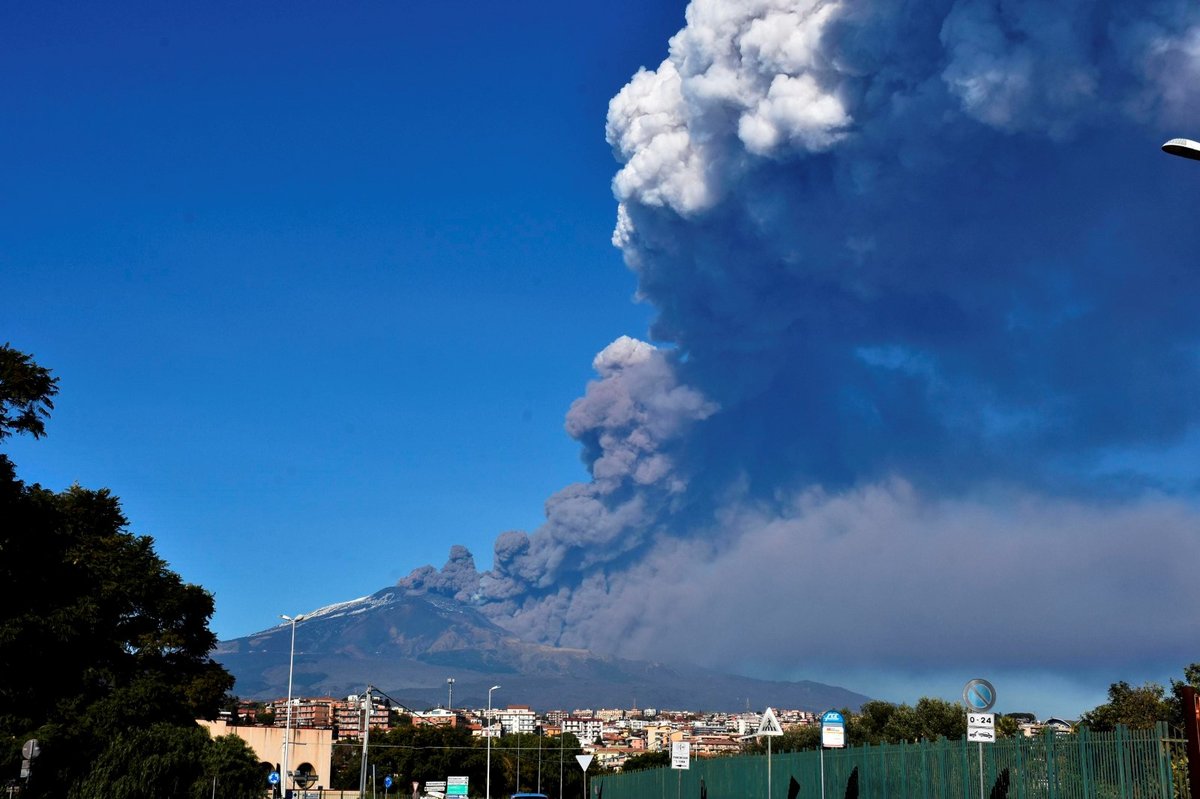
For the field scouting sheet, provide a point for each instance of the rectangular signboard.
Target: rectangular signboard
(456, 786)
(833, 730)
(681, 754)
(981, 727)
(833, 736)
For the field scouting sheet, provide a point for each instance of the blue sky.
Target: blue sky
(319, 283)
(323, 287)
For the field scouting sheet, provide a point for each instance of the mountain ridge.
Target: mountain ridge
(407, 644)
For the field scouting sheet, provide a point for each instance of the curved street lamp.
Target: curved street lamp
(1184, 148)
(287, 729)
(489, 742)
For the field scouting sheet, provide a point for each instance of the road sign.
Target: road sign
(584, 761)
(31, 749)
(457, 786)
(769, 724)
(304, 777)
(981, 727)
(435, 786)
(273, 778)
(681, 755)
(387, 781)
(979, 695)
(833, 730)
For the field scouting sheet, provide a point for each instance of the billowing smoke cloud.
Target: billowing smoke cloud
(927, 309)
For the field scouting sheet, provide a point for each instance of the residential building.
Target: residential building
(348, 715)
(586, 729)
(438, 717)
(714, 745)
(517, 719)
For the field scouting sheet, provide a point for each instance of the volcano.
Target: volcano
(407, 644)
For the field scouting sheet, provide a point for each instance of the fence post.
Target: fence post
(966, 766)
(1051, 771)
(1022, 746)
(1164, 760)
(1085, 762)
(924, 745)
(1121, 737)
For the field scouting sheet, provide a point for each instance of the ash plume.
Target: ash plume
(926, 296)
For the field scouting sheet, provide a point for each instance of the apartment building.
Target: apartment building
(586, 729)
(661, 736)
(714, 745)
(310, 713)
(517, 719)
(743, 723)
(348, 716)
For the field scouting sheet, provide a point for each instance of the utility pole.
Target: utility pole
(362, 774)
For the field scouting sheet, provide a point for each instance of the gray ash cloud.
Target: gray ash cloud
(926, 297)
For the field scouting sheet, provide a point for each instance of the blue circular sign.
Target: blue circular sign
(979, 695)
(387, 781)
(273, 778)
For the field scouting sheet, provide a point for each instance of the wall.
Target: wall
(308, 745)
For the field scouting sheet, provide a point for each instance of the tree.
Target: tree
(868, 725)
(1191, 678)
(883, 722)
(647, 760)
(97, 636)
(1140, 708)
(1007, 726)
(236, 769)
(159, 760)
(26, 392)
(170, 760)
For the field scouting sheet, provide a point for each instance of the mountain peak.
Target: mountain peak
(408, 642)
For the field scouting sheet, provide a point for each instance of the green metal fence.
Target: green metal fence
(1125, 764)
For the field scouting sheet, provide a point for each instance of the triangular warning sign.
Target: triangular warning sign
(769, 724)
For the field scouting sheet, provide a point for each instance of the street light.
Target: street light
(287, 729)
(450, 698)
(1185, 148)
(489, 742)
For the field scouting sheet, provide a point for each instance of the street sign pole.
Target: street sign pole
(979, 696)
(981, 770)
(584, 762)
(833, 735)
(822, 772)
(769, 727)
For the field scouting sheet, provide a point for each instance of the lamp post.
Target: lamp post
(450, 697)
(1185, 148)
(489, 742)
(287, 729)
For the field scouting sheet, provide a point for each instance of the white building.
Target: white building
(586, 729)
(517, 719)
